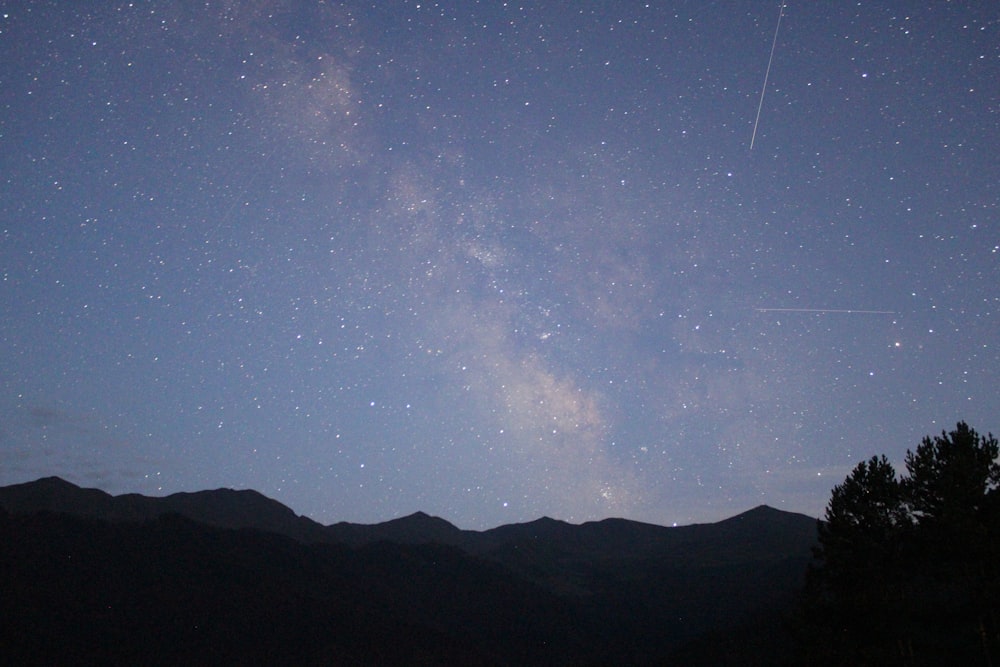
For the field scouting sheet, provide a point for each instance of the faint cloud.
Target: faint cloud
(43, 440)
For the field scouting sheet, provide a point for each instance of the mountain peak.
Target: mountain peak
(419, 526)
(760, 510)
(51, 479)
(51, 482)
(416, 528)
(53, 494)
(420, 516)
(761, 513)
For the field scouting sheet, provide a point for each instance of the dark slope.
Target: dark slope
(172, 591)
(224, 508)
(172, 576)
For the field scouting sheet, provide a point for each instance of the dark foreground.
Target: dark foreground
(170, 586)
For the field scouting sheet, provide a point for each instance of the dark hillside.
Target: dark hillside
(232, 577)
(171, 591)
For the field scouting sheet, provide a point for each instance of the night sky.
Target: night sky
(495, 261)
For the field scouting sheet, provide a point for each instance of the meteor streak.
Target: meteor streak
(763, 89)
(825, 310)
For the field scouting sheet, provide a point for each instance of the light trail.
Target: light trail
(763, 89)
(825, 310)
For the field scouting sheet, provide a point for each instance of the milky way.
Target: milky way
(494, 261)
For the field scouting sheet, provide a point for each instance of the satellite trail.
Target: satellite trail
(825, 310)
(763, 89)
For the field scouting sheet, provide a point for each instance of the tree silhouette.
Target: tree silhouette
(952, 494)
(864, 515)
(856, 589)
(951, 477)
(906, 569)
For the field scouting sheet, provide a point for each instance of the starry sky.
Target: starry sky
(495, 260)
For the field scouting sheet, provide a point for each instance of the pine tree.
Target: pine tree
(908, 569)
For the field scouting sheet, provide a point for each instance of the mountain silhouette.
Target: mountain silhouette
(224, 508)
(417, 528)
(227, 576)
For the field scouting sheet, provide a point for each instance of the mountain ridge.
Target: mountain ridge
(240, 575)
(558, 555)
(223, 507)
(53, 493)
